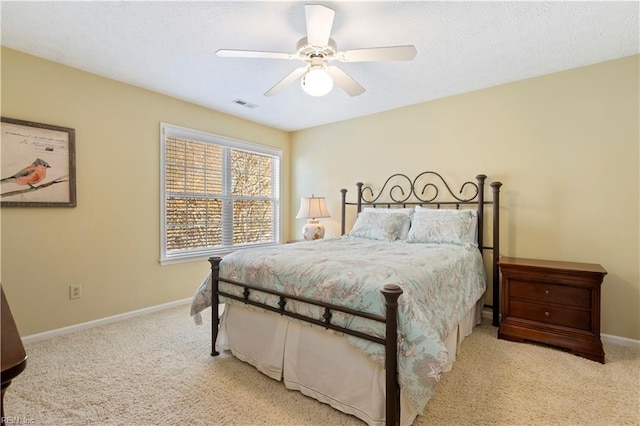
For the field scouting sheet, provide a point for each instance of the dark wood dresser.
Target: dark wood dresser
(551, 302)
(14, 358)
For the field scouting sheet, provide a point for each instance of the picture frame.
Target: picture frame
(37, 164)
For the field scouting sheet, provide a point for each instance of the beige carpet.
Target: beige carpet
(156, 370)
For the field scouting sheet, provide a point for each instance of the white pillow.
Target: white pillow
(404, 232)
(444, 226)
(380, 226)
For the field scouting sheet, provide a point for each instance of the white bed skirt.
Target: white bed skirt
(319, 363)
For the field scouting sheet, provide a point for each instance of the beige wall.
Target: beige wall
(565, 146)
(109, 243)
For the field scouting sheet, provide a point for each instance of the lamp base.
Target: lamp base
(313, 230)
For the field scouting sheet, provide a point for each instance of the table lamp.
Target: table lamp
(312, 208)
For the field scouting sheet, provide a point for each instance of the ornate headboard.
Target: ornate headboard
(431, 189)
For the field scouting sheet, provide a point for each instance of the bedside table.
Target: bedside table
(551, 302)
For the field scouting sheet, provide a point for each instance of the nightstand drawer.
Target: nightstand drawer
(550, 293)
(566, 317)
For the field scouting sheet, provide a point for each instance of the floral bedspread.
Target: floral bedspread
(440, 283)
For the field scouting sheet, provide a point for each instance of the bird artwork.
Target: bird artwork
(30, 175)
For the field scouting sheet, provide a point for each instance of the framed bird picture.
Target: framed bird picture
(37, 165)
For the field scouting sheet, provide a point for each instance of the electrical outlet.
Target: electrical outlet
(75, 291)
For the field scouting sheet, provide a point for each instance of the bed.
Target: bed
(369, 321)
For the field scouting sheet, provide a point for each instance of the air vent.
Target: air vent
(245, 103)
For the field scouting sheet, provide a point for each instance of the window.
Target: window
(217, 194)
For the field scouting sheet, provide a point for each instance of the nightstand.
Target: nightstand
(551, 302)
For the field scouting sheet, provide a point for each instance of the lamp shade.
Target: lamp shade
(312, 208)
(317, 82)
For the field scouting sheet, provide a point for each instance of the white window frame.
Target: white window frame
(170, 130)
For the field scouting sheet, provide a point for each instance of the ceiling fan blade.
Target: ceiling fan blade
(290, 78)
(319, 23)
(343, 80)
(227, 53)
(378, 54)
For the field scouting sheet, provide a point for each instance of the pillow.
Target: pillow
(444, 226)
(405, 210)
(380, 226)
(408, 210)
(473, 232)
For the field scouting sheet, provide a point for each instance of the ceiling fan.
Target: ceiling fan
(317, 49)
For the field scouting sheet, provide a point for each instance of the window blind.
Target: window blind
(218, 194)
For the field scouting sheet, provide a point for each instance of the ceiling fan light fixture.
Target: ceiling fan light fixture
(317, 82)
(317, 50)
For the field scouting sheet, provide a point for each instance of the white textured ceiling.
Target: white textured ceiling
(169, 47)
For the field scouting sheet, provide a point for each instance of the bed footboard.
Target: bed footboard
(215, 302)
(390, 292)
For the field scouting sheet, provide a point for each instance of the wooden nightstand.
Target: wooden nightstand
(555, 303)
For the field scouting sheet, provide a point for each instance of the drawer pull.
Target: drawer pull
(546, 314)
(546, 292)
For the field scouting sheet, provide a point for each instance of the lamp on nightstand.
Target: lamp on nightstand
(312, 208)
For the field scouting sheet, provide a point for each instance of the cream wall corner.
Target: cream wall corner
(565, 146)
(109, 243)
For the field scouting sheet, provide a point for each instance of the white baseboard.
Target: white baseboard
(622, 341)
(102, 321)
(608, 338)
(486, 314)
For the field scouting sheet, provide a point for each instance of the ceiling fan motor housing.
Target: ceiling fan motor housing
(308, 51)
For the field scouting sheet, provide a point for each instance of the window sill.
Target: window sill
(204, 256)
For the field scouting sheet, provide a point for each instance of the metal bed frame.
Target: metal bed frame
(398, 191)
